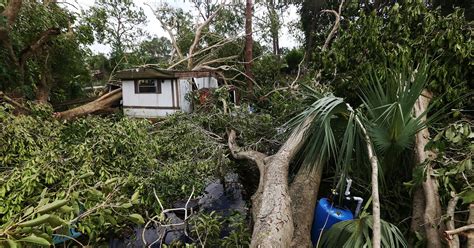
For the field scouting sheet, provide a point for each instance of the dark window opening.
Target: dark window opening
(148, 86)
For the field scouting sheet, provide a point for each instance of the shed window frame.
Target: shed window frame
(153, 86)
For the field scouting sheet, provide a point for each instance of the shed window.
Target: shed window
(148, 86)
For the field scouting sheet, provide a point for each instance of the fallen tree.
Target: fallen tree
(272, 203)
(101, 103)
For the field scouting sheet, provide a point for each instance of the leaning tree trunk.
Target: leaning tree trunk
(432, 211)
(273, 213)
(304, 191)
(101, 103)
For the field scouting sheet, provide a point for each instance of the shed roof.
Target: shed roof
(151, 73)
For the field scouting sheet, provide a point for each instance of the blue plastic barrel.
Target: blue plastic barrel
(324, 211)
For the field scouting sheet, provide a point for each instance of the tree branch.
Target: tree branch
(335, 26)
(454, 241)
(449, 233)
(237, 152)
(12, 10)
(36, 45)
(169, 31)
(17, 105)
(198, 34)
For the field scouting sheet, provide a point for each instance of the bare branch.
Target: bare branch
(168, 30)
(335, 26)
(198, 34)
(218, 44)
(449, 233)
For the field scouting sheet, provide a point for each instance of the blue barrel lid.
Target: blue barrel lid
(335, 212)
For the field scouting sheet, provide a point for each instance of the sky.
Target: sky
(154, 29)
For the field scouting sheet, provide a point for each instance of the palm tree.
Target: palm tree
(384, 122)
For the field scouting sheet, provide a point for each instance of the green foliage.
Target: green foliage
(409, 31)
(335, 136)
(60, 60)
(116, 23)
(454, 146)
(358, 233)
(105, 168)
(207, 229)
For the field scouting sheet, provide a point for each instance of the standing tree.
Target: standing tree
(248, 50)
(43, 50)
(117, 23)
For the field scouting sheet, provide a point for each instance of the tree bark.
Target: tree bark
(102, 102)
(273, 215)
(470, 221)
(274, 27)
(304, 192)
(432, 213)
(42, 89)
(376, 226)
(418, 208)
(11, 11)
(454, 242)
(248, 54)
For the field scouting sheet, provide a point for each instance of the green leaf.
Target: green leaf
(126, 205)
(33, 239)
(12, 243)
(52, 206)
(467, 196)
(137, 219)
(135, 196)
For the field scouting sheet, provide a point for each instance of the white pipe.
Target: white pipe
(348, 187)
(359, 201)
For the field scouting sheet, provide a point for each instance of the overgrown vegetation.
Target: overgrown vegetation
(97, 175)
(105, 169)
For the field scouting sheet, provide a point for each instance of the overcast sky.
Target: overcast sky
(154, 29)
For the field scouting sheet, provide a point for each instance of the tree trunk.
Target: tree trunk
(417, 220)
(102, 102)
(274, 223)
(432, 213)
(376, 226)
(42, 89)
(274, 27)
(304, 192)
(470, 221)
(248, 56)
(273, 215)
(454, 242)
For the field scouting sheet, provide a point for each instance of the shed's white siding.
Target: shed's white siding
(206, 82)
(171, 99)
(184, 88)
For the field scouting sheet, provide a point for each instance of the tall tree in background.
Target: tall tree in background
(248, 56)
(43, 50)
(118, 24)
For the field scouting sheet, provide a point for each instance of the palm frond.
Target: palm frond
(358, 232)
(389, 98)
(321, 142)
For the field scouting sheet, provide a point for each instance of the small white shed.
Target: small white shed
(150, 92)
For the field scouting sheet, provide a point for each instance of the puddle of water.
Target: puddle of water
(223, 198)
